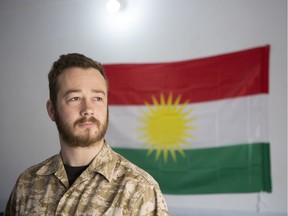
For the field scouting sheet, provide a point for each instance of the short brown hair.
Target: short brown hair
(68, 61)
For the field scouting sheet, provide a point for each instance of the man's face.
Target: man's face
(81, 114)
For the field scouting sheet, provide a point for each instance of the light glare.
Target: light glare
(113, 6)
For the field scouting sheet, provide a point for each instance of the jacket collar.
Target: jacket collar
(104, 163)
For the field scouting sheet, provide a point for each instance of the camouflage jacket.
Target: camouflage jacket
(111, 185)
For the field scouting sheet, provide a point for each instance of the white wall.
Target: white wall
(34, 33)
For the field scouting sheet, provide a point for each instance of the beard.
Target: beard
(73, 140)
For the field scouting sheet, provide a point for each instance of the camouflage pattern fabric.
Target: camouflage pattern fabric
(111, 185)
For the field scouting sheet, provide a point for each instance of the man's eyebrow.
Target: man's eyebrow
(78, 90)
(99, 91)
(71, 91)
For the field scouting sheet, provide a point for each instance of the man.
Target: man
(87, 177)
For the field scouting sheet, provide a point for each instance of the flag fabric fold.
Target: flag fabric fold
(197, 126)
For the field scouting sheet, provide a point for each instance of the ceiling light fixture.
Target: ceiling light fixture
(113, 6)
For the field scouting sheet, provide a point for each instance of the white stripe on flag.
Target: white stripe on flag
(219, 123)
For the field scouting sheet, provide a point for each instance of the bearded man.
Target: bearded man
(87, 177)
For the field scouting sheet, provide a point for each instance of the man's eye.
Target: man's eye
(74, 99)
(98, 98)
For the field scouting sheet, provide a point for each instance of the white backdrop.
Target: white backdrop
(34, 33)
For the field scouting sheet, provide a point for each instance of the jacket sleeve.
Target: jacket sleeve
(151, 203)
(11, 205)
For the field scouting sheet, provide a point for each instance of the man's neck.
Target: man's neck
(80, 156)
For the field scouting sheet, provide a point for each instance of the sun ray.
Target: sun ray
(155, 102)
(169, 100)
(172, 152)
(162, 99)
(165, 153)
(177, 101)
(150, 151)
(158, 153)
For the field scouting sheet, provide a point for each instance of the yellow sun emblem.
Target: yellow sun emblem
(166, 126)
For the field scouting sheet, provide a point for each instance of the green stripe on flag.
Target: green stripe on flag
(229, 169)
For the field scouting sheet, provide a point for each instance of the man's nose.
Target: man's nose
(86, 109)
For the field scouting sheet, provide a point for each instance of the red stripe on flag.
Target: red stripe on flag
(213, 78)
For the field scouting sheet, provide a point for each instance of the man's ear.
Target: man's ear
(50, 110)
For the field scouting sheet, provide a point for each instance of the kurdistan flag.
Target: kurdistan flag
(197, 126)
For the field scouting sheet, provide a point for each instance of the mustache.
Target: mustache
(85, 119)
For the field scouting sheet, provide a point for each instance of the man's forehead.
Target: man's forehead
(78, 78)
(82, 74)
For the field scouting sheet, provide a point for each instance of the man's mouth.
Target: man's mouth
(87, 122)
